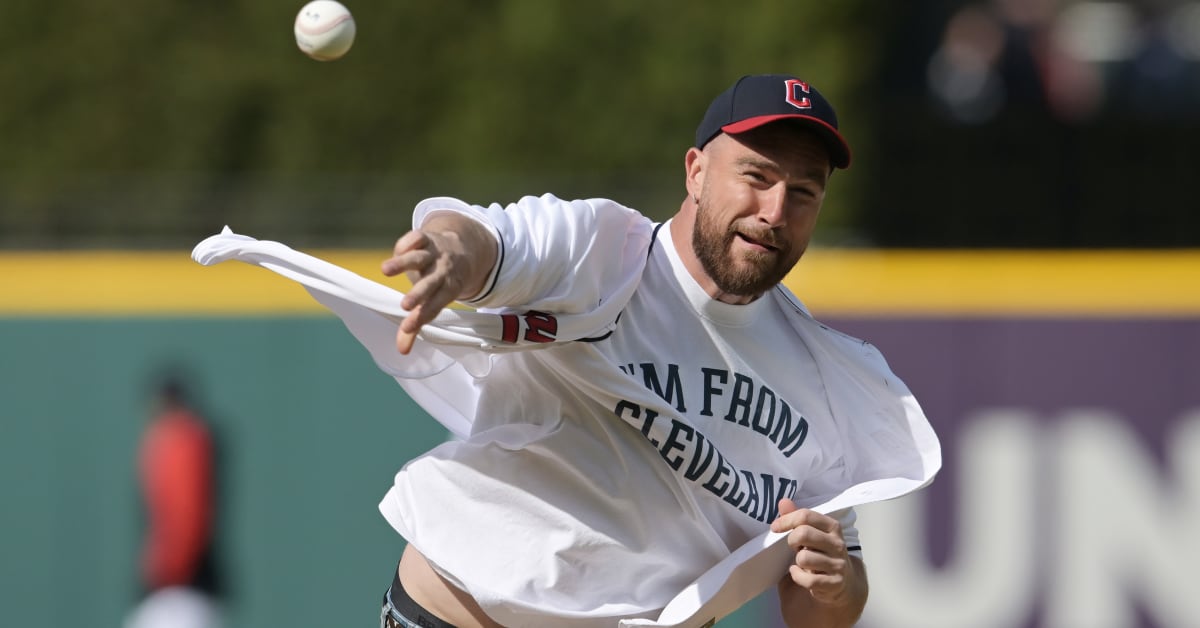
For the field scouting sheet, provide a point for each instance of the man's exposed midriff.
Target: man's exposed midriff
(438, 596)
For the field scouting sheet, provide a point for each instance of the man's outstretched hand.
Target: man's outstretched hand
(449, 257)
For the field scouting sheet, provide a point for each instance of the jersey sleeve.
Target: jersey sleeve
(824, 486)
(848, 519)
(555, 255)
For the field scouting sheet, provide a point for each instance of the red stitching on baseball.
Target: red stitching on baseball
(303, 28)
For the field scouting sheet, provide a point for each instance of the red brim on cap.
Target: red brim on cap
(839, 149)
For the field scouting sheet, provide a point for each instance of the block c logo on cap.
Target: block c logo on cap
(795, 94)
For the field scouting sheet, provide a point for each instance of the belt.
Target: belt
(398, 602)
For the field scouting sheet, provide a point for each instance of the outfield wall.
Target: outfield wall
(1065, 387)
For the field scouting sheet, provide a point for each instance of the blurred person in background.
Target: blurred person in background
(176, 465)
(1158, 75)
(1011, 55)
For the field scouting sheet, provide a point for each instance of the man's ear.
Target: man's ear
(694, 163)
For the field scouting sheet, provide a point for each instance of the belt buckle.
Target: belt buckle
(386, 620)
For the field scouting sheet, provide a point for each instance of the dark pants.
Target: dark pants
(400, 611)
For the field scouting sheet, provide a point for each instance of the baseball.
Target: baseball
(324, 30)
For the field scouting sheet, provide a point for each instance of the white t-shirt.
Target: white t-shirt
(601, 477)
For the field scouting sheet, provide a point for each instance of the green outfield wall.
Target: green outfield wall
(312, 432)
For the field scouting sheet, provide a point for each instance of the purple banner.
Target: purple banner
(1070, 494)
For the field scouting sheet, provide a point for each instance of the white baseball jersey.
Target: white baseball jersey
(621, 432)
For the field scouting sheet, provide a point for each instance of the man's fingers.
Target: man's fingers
(828, 588)
(435, 284)
(808, 538)
(798, 517)
(791, 517)
(417, 260)
(430, 294)
(412, 251)
(787, 506)
(429, 288)
(412, 240)
(818, 562)
(427, 299)
(803, 577)
(815, 582)
(404, 341)
(406, 334)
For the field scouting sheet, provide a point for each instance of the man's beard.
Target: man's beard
(757, 272)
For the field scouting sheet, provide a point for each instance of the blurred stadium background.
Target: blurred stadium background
(1019, 233)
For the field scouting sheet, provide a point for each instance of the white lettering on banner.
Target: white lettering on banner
(1127, 530)
(1077, 508)
(987, 582)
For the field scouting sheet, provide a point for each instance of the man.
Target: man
(602, 476)
(636, 403)
(177, 476)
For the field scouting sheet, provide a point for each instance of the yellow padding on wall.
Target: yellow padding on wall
(1037, 283)
(831, 281)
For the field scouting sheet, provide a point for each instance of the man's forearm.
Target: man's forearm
(801, 610)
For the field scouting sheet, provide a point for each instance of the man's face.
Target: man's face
(760, 195)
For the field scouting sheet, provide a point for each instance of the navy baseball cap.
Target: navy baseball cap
(763, 98)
